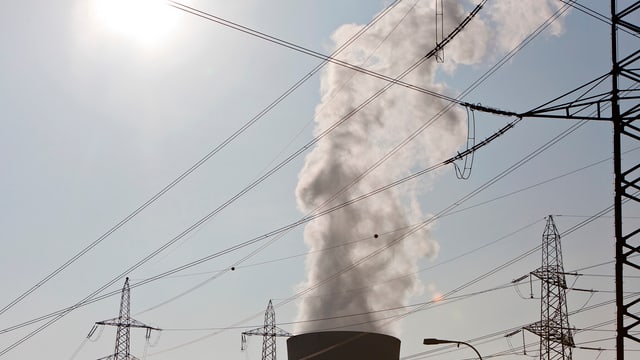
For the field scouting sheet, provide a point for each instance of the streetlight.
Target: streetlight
(432, 341)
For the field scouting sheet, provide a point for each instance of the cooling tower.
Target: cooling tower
(343, 345)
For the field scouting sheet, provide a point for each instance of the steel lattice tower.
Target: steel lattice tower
(619, 104)
(553, 329)
(625, 113)
(269, 332)
(124, 323)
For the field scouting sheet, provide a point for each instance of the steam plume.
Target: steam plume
(352, 233)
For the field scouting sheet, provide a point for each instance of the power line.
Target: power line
(378, 163)
(365, 239)
(153, 254)
(221, 207)
(471, 150)
(433, 303)
(157, 277)
(90, 299)
(420, 307)
(200, 162)
(396, 317)
(526, 41)
(390, 80)
(497, 334)
(572, 172)
(588, 11)
(596, 15)
(443, 212)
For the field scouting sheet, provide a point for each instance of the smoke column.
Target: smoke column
(401, 38)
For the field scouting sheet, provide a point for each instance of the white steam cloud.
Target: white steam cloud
(388, 279)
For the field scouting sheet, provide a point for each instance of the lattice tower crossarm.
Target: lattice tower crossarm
(556, 340)
(124, 323)
(269, 333)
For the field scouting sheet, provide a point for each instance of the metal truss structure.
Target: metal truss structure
(619, 104)
(269, 332)
(124, 323)
(625, 104)
(553, 329)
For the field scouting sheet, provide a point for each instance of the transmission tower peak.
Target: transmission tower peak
(556, 340)
(269, 332)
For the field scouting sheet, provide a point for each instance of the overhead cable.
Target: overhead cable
(199, 163)
(198, 223)
(395, 81)
(443, 212)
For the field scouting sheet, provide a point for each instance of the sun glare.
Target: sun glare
(148, 22)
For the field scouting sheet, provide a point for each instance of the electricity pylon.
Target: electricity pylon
(553, 329)
(619, 105)
(124, 323)
(625, 109)
(269, 332)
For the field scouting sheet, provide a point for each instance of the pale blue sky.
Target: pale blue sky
(96, 121)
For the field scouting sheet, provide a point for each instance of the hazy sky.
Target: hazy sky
(104, 103)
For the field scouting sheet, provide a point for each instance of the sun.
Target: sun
(147, 22)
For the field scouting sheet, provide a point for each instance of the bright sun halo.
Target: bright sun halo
(148, 22)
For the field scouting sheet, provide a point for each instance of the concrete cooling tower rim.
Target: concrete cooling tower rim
(343, 345)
